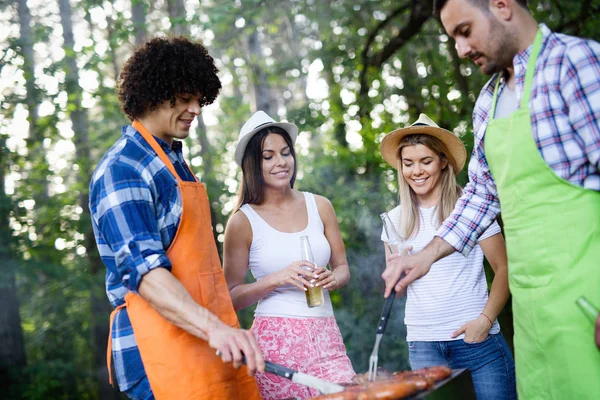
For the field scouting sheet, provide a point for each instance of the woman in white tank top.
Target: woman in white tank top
(450, 319)
(263, 234)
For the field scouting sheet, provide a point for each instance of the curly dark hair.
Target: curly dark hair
(163, 68)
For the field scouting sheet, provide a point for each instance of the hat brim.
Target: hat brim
(456, 148)
(291, 129)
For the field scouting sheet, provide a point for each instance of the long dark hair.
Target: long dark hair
(252, 186)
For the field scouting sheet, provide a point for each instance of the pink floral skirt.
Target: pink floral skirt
(310, 345)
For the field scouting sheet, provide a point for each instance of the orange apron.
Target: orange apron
(179, 365)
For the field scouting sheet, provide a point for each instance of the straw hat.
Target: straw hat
(257, 122)
(425, 126)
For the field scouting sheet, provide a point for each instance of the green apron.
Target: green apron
(552, 230)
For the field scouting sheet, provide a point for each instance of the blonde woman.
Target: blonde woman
(449, 316)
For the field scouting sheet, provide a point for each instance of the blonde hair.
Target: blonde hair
(409, 204)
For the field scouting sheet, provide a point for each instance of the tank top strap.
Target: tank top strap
(314, 219)
(252, 215)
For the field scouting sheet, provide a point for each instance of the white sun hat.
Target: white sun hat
(258, 122)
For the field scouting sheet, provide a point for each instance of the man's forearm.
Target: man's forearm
(437, 249)
(173, 302)
(413, 265)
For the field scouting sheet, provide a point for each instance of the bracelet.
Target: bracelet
(488, 318)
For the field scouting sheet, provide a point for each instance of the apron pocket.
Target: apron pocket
(529, 265)
(528, 272)
(216, 298)
(529, 281)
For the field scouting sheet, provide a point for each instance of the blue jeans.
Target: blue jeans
(140, 391)
(491, 363)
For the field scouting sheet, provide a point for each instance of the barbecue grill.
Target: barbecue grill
(458, 386)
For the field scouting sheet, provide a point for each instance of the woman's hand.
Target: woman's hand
(476, 330)
(295, 274)
(326, 279)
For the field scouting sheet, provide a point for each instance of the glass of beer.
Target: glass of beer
(314, 295)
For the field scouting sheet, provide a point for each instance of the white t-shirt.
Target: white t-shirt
(453, 292)
(507, 103)
(272, 250)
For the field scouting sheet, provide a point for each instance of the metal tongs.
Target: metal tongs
(395, 244)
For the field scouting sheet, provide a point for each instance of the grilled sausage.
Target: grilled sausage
(422, 381)
(350, 393)
(388, 390)
(436, 373)
(401, 384)
(337, 396)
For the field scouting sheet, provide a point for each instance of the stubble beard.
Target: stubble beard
(503, 48)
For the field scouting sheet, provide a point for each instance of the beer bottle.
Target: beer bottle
(314, 295)
(588, 309)
(395, 242)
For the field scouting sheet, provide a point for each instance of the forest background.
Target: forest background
(345, 71)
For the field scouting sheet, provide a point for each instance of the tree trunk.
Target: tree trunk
(12, 346)
(261, 100)
(138, 17)
(39, 172)
(177, 15)
(99, 305)
(26, 44)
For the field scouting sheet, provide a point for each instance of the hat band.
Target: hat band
(264, 123)
(420, 124)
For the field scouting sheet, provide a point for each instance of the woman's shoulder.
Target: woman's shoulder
(238, 222)
(239, 229)
(395, 213)
(320, 200)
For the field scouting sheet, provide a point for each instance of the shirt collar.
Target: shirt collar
(521, 59)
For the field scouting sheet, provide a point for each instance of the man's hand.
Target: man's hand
(398, 264)
(598, 332)
(232, 343)
(413, 265)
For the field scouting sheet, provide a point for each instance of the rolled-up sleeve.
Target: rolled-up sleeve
(479, 205)
(126, 220)
(474, 213)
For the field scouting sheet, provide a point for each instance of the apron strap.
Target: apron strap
(535, 51)
(159, 151)
(495, 98)
(109, 345)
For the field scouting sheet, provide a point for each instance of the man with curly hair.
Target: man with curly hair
(173, 315)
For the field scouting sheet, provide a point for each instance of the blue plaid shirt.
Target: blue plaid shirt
(565, 110)
(135, 206)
